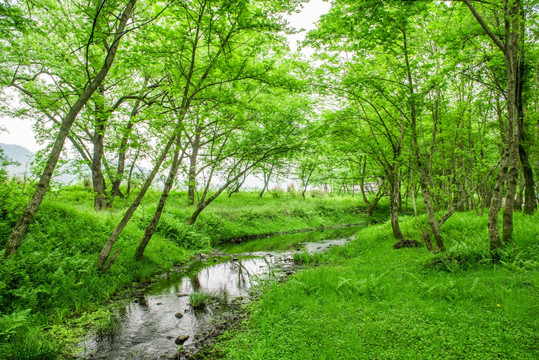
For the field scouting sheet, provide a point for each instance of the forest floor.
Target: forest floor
(370, 301)
(50, 292)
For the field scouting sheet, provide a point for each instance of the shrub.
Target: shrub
(277, 192)
(199, 299)
(177, 231)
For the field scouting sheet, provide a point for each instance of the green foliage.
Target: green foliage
(376, 302)
(276, 192)
(20, 339)
(199, 299)
(12, 202)
(175, 230)
(107, 327)
(305, 258)
(31, 345)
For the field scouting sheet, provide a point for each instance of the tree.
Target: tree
(510, 43)
(97, 16)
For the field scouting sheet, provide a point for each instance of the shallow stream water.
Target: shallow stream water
(149, 325)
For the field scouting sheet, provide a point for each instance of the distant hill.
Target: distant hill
(21, 155)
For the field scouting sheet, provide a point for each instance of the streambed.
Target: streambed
(156, 316)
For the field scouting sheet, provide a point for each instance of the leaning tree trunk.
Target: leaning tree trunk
(267, 178)
(148, 233)
(105, 251)
(29, 212)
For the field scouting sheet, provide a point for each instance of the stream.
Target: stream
(149, 326)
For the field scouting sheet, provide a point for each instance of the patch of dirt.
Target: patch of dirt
(406, 243)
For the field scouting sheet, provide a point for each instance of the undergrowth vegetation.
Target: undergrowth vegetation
(51, 284)
(369, 301)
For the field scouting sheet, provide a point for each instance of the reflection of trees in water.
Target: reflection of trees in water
(195, 282)
(243, 275)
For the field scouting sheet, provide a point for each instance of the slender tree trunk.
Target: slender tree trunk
(394, 190)
(362, 183)
(194, 216)
(423, 179)
(374, 202)
(122, 153)
(267, 177)
(192, 181)
(519, 196)
(29, 212)
(130, 176)
(530, 202)
(413, 192)
(238, 187)
(150, 229)
(98, 180)
(105, 252)
(394, 208)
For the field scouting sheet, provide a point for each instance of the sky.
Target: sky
(19, 131)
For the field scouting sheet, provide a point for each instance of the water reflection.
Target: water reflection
(150, 323)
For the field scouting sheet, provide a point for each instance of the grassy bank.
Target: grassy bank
(50, 289)
(369, 301)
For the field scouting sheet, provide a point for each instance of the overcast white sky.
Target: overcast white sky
(19, 132)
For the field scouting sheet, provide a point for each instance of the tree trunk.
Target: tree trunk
(122, 153)
(423, 179)
(374, 202)
(394, 189)
(238, 187)
(513, 58)
(105, 252)
(130, 176)
(148, 233)
(192, 181)
(29, 212)
(194, 216)
(98, 180)
(267, 177)
(530, 202)
(519, 196)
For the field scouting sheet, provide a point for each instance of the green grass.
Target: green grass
(50, 289)
(372, 302)
(199, 299)
(287, 242)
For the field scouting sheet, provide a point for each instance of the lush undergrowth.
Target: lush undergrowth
(369, 301)
(51, 286)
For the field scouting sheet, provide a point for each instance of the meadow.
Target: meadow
(370, 301)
